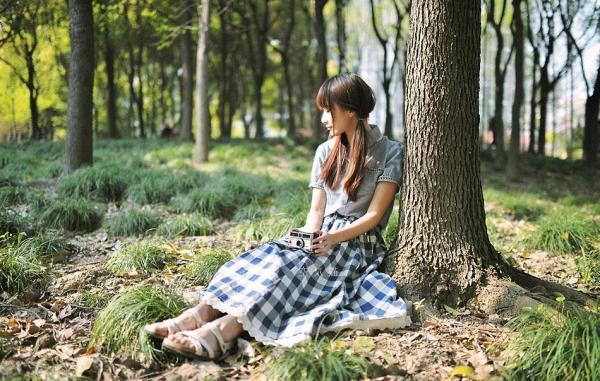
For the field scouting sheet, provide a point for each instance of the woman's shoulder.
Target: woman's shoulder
(325, 147)
(392, 147)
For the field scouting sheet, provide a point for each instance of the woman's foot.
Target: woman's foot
(189, 319)
(207, 342)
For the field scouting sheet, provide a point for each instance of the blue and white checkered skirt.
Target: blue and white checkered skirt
(284, 295)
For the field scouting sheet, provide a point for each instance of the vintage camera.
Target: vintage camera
(300, 239)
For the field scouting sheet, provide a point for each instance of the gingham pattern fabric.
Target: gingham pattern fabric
(283, 295)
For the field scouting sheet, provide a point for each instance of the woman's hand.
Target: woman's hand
(323, 243)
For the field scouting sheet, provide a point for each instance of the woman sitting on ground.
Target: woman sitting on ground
(281, 294)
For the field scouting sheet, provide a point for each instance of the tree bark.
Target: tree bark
(109, 60)
(188, 78)
(320, 32)
(202, 117)
(590, 130)
(340, 26)
(443, 251)
(515, 134)
(79, 146)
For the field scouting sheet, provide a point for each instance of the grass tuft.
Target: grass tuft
(97, 183)
(118, 327)
(567, 231)
(317, 359)
(152, 189)
(552, 346)
(223, 196)
(12, 196)
(133, 222)
(44, 245)
(187, 225)
(202, 267)
(12, 223)
(75, 214)
(139, 257)
(17, 272)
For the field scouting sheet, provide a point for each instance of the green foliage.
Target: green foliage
(186, 225)
(204, 264)
(321, 359)
(391, 230)
(521, 206)
(96, 183)
(225, 194)
(118, 327)
(152, 189)
(41, 246)
(552, 346)
(12, 223)
(17, 272)
(133, 222)
(566, 231)
(95, 298)
(76, 214)
(139, 257)
(12, 195)
(588, 266)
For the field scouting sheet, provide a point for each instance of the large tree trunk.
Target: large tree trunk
(78, 149)
(202, 117)
(515, 133)
(443, 249)
(590, 130)
(109, 60)
(187, 83)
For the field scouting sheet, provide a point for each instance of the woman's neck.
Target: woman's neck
(350, 134)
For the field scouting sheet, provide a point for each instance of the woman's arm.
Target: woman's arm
(314, 219)
(382, 197)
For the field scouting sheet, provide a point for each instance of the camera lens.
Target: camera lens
(299, 243)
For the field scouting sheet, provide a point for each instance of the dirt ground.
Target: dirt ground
(47, 334)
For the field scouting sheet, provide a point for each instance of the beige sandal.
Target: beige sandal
(201, 345)
(174, 325)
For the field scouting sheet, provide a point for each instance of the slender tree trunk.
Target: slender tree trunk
(590, 130)
(34, 110)
(79, 146)
(202, 116)
(544, 93)
(340, 24)
(443, 251)
(320, 32)
(109, 61)
(515, 133)
(188, 78)
(533, 109)
(224, 74)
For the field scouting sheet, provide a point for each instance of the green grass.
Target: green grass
(139, 257)
(317, 359)
(12, 223)
(186, 225)
(95, 183)
(205, 263)
(521, 206)
(224, 194)
(391, 230)
(95, 298)
(74, 214)
(153, 188)
(42, 246)
(566, 231)
(118, 327)
(133, 222)
(17, 272)
(552, 346)
(12, 196)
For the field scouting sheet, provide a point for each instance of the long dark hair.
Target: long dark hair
(350, 93)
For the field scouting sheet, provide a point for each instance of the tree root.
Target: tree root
(535, 284)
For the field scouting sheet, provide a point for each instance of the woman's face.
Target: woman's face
(338, 121)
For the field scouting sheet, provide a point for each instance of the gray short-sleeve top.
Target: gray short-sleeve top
(384, 163)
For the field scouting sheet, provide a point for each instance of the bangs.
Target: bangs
(325, 97)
